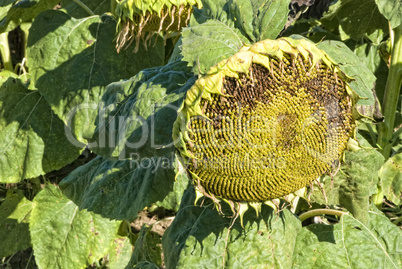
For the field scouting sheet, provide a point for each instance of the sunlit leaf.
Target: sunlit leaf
(392, 10)
(63, 236)
(350, 244)
(206, 44)
(22, 11)
(391, 179)
(15, 211)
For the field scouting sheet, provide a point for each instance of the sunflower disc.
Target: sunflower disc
(265, 122)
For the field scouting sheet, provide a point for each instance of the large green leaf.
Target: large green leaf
(137, 115)
(392, 10)
(98, 7)
(256, 19)
(350, 244)
(201, 236)
(260, 19)
(72, 60)
(32, 137)
(23, 11)
(206, 44)
(364, 79)
(120, 189)
(358, 18)
(64, 236)
(120, 253)
(14, 223)
(221, 28)
(391, 179)
(353, 185)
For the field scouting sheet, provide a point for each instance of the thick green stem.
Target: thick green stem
(5, 52)
(319, 212)
(87, 9)
(392, 89)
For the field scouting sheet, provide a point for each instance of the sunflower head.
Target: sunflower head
(140, 20)
(265, 122)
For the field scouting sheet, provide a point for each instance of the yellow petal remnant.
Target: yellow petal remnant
(142, 19)
(265, 122)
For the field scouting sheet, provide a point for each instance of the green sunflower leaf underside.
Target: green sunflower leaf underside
(257, 20)
(120, 189)
(14, 223)
(32, 137)
(391, 179)
(350, 244)
(13, 14)
(73, 60)
(206, 44)
(392, 10)
(363, 79)
(136, 116)
(200, 235)
(63, 236)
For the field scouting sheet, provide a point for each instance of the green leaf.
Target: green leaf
(368, 54)
(120, 253)
(137, 115)
(201, 236)
(206, 44)
(261, 19)
(98, 7)
(23, 11)
(120, 189)
(257, 20)
(353, 185)
(147, 250)
(221, 28)
(391, 179)
(392, 10)
(5, 7)
(350, 64)
(32, 137)
(14, 223)
(64, 236)
(350, 244)
(72, 60)
(172, 200)
(358, 18)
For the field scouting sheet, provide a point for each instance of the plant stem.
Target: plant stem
(113, 4)
(318, 212)
(392, 89)
(87, 9)
(5, 52)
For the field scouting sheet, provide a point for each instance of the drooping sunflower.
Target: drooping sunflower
(142, 19)
(265, 122)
